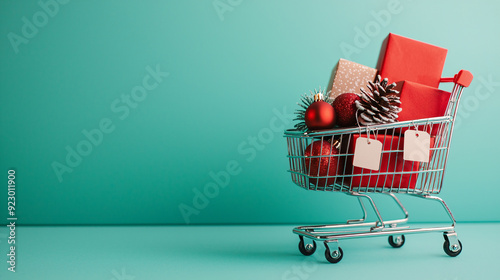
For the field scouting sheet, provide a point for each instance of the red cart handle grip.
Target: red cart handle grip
(463, 78)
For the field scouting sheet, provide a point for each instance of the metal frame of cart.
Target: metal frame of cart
(426, 183)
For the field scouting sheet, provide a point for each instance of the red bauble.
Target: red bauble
(345, 109)
(325, 165)
(319, 115)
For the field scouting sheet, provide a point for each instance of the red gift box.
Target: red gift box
(392, 161)
(420, 102)
(402, 59)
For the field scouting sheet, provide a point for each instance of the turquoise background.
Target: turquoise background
(229, 73)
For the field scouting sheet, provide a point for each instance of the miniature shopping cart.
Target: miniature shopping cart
(395, 176)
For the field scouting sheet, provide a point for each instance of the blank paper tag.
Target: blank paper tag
(367, 153)
(417, 146)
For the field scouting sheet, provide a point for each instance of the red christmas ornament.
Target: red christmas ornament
(345, 109)
(326, 165)
(320, 114)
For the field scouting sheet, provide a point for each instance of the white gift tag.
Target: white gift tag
(367, 153)
(417, 146)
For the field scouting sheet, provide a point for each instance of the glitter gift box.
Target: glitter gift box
(348, 76)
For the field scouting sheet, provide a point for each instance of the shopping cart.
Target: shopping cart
(395, 176)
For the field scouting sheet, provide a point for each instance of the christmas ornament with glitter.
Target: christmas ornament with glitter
(315, 113)
(345, 109)
(324, 162)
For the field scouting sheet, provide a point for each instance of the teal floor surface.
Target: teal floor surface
(240, 252)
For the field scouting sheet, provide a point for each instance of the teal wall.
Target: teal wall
(236, 69)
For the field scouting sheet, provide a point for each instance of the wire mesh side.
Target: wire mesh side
(331, 168)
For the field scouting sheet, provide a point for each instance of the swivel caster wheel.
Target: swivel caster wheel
(397, 241)
(452, 246)
(455, 249)
(335, 256)
(306, 249)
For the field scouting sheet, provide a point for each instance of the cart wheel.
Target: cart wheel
(334, 257)
(451, 253)
(308, 249)
(397, 241)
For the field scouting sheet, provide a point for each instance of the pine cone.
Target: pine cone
(307, 100)
(380, 104)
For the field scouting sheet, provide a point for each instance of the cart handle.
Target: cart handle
(463, 78)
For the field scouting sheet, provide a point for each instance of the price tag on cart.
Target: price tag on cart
(417, 146)
(367, 153)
